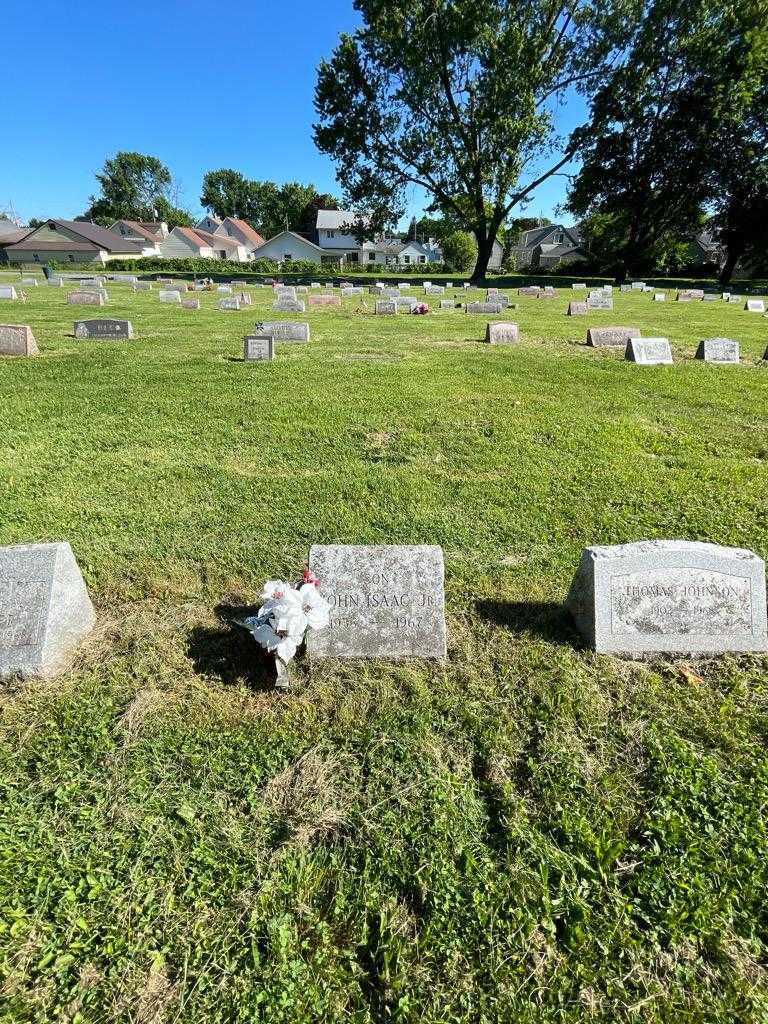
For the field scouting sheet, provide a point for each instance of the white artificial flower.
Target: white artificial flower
(316, 609)
(285, 613)
(274, 588)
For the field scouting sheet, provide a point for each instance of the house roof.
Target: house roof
(534, 236)
(293, 234)
(142, 229)
(9, 238)
(334, 219)
(223, 241)
(29, 244)
(193, 236)
(101, 237)
(208, 217)
(562, 249)
(250, 233)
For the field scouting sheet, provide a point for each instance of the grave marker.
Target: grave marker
(670, 597)
(603, 337)
(718, 350)
(17, 340)
(283, 330)
(386, 307)
(85, 298)
(386, 602)
(45, 610)
(258, 347)
(755, 306)
(231, 303)
(107, 329)
(577, 309)
(502, 334)
(288, 306)
(7, 291)
(649, 351)
(190, 303)
(164, 295)
(483, 307)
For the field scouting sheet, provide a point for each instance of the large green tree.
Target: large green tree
(458, 97)
(648, 154)
(134, 186)
(269, 207)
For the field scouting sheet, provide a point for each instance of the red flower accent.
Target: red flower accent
(309, 577)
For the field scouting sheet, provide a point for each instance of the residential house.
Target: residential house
(497, 254)
(209, 224)
(11, 227)
(287, 245)
(547, 247)
(242, 231)
(224, 247)
(145, 233)
(71, 241)
(394, 252)
(334, 234)
(186, 243)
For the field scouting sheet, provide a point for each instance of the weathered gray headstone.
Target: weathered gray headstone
(600, 302)
(324, 300)
(45, 610)
(434, 289)
(258, 347)
(30, 282)
(406, 302)
(7, 291)
(709, 297)
(17, 340)
(288, 306)
(190, 303)
(531, 290)
(447, 304)
(283, 330)
(659, 297)
(103, 329)
(387, 602)
(626, 287)
(230, 303)
(637, 286)
(224, 289)
(600, 337)
(483, 307)
(718, 350)
(579, 287)
(649, 351)
(142, 286)
(577, 309)
(86, 298)
(670, 597)
(386, 307)
(755, 306)
(502, 333)
(732, 299)
(55, 282)
(169, 296)
(351, 292)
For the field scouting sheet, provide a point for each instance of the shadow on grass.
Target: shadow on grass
(544, 619)
(229, 653)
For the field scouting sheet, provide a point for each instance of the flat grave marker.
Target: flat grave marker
(107, 329)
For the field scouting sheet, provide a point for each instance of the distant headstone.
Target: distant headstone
(386, 307)
(726, 296)
(755, 306)
(649, 351)
(190, 303)
(709, 297)
(434, 289)
(406, 302)
(245, 298)
(324, 300)
(45, 610)
(403, 286)
(30, 282)
(288, 306)
(314, 284)
(577, 309)
(579, 287)
(229, 303)
(17, 340)
(718, 350)
(689, 296)
(735, 299)
(600, 302)
(484, 307)
(386, 602)
(447, 304)
(283, 330)
(7, 291)
(659, 297)
(448, 284)
(547, 293)
(55, 282)
(142, 286)
(351, 292)
(85, 298)
(224, 289)
(532, 291)
(626, 287)
(670, 597)
(602, 337)
(258, 347)
(107, 329)
(637, 286)
(502, 333)
(169, 296)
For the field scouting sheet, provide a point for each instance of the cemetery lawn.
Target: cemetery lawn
(530, 833)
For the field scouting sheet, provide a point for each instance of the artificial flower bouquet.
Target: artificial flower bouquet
(285, 616)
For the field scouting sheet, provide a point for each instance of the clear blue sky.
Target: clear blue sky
(201, 85)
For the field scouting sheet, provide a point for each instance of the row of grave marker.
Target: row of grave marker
(637, 600)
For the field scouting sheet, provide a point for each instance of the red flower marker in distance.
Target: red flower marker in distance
(309, 577)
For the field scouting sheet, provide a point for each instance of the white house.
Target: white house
(143, 233)
(287, 245)
(185, 243)
(333, 228)
(396, 253)
(209, 224)
(224, 247)
(242, 231)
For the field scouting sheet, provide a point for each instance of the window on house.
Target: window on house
(287, 256)
(406, 259)
(37, 258)
(559, 237)
(71, 258)
(222, 254)
(330, 234)
(371, 257)
(422, 259)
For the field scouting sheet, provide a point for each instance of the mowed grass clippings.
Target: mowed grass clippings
(530, 833)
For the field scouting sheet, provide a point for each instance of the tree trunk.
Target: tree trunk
(729, 266)
(484, 252)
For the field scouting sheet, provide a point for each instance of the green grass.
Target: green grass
(531, 833)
